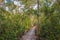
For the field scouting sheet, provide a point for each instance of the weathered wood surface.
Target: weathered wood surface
(30, 35)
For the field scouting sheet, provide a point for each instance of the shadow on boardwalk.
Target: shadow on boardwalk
(30, 35)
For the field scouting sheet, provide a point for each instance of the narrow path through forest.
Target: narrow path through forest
(30, 35)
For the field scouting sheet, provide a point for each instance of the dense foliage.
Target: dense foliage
(50, 23)
(14, 23)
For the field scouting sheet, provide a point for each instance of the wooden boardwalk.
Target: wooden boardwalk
(30, 35)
